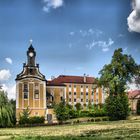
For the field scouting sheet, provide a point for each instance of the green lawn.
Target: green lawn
(127, 130)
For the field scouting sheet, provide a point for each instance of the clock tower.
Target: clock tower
(31, 87)
(31, 54)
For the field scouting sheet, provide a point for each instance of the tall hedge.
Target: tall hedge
(138, 107)
(117, 107)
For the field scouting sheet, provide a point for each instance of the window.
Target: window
(25, 95)
(81, 100)
(97, 101)
(25, 90)
(74, 93)
(69, 86)
(36, 114)
(31, 71)
(69, 93)
(87, 93)
(92, 100)
(61, 98)
(86, 86)
(69, 99)
(36, 92)
(96, 93)
(81, 86)
(92, 93)
(25, 87)
(81, 93)
(86, 100)
(74, 86)
(74, 100)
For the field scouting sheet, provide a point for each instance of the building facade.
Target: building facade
(38, 94)
(133, 97)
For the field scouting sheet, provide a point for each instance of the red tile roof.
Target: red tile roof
(71, 79)
(133, 93)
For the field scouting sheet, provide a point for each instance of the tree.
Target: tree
(117, 107)
(24, 117)
(78, 107)
(6, 111)
(62, 111)
(13, 105)
(115, 77)
(121, 70)
(138, 107)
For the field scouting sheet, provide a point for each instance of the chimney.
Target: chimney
(52, 77)
(84, 78)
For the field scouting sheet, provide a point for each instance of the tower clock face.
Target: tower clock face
(31, 54)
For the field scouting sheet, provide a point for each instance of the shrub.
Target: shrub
(24, 117)
(73, 114)
(84, 113)
(117, 107)
(138, 107)
(36, 120)
(62, 111)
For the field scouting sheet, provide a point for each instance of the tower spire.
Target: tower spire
(31, 41)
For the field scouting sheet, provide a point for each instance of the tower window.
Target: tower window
(25, 95)
(25, 90)
(36, 94)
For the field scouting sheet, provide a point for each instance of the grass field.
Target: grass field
(127, 130)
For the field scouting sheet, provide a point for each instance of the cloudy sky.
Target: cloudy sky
(71, 37)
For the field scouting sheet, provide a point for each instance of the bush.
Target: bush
(73, 114)
(84, 113)
(138, 107)
(31, 120)
(117, 107)
(36, 120)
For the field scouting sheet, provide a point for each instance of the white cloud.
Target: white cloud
(11, 90)
(72, 33)
(4, 74)
(52, 4)
(103, 44)
(133, 20)
(8, 60)
(91, 32)
(125, 49)
(79, 68)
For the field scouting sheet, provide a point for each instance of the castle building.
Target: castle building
(38, 94)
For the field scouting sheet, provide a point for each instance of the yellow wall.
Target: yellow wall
(36, 106)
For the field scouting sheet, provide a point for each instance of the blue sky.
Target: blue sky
(71, 37)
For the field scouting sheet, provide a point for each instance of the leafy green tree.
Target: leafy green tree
(13, 105)
(117, 107)
(115, 77)
(90, 106)
(121, 70)
(138, 107)
(6, 111)
(62, 111)
(24, 116)
(78, 107)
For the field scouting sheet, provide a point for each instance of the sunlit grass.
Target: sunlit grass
(129, 129)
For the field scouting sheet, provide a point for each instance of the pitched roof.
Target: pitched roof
(132, 94)
(72, 79)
